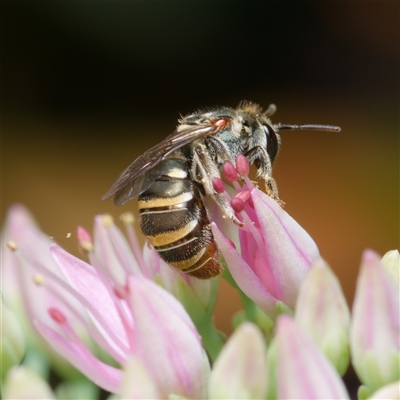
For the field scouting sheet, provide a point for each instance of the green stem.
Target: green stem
(213, 341)
(249, 306)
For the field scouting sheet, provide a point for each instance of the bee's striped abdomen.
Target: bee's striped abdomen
(175, 222)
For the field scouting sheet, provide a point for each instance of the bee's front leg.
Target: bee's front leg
(203, 171)
(259, 156)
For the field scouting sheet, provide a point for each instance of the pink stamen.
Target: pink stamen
(218, 185)
(239, 201)
(83, 235)
(120, 292)
(62, 284)
(57, 315)
(237, 204)
(250, 227)
(84, 239)
(99, 338)
(236, 185)
(230, 172)
(244, 195)
(242, 165)
(249, 183)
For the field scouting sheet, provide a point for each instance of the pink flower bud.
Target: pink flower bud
(302, 371)
(375, 326)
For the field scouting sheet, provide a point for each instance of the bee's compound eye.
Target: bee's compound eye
(272, 142)
(220, 123)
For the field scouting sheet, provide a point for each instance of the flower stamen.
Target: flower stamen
(128, 220)
(38, 279)
(242, 165)
(12, 245)
(237, 204)
(57, 315)
(218, 185)
(85, 241)
(231, 174)
(94, 312)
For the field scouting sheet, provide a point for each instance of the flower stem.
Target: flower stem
(213, 340)
(249, 306)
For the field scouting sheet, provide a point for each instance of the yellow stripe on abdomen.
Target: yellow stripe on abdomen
(166, 238)
(165, 201)
(184, 264)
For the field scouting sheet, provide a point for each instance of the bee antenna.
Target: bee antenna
(309, 127)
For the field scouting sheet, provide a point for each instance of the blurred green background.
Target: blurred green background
(87, 87)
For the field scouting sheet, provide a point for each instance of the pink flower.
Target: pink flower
(302, 370)
(322, 311)
(375, 326)
(275, 251)
(240, 371)
(126, 314)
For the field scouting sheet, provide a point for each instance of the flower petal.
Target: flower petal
(391, 261)
(101, 374)
(240, 371)
(12, 346)
(196, 295)
(246, 279)
(391, 391)
(322, 311)
(86, 281)
(375, 327)
(303, 372)
(137, 382)
(22, 383)
(289, 249)
(112, 250)
(166, 340)
(21, 228)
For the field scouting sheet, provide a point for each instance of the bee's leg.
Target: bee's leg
(203, 171)
(259, 156)
(219, 150)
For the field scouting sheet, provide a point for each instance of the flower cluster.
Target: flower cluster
(140, 329)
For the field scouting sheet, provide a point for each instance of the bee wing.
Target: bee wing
(136, 187)
(139, 175)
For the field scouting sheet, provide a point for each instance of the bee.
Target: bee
(172, 178)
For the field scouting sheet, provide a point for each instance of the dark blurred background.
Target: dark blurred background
(87, 87)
